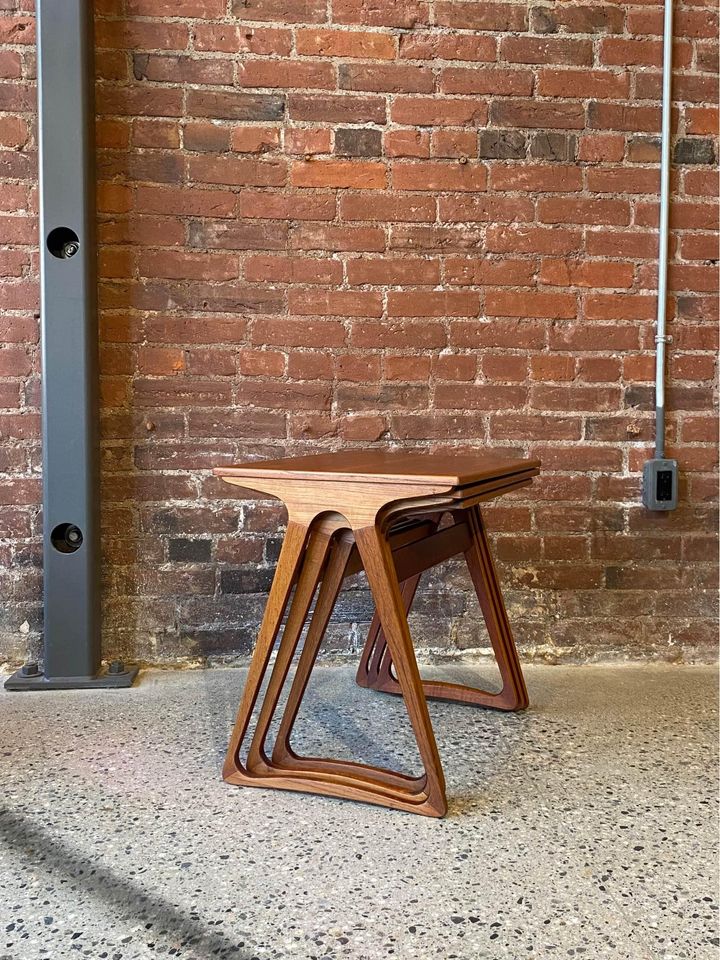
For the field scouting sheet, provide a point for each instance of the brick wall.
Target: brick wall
(353, 222)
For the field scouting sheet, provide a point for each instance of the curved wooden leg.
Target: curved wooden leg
(513, 695)
(288, 564)
(327, 595)
(380, 570)
(285, 770)
(307, 581)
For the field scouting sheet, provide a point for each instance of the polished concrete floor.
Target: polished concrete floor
(585, 827)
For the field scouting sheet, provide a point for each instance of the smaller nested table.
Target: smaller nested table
(380, 511)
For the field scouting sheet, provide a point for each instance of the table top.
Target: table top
(386, 466)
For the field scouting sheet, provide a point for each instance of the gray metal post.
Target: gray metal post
(71, 540)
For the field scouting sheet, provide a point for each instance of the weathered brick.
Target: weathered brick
(355, 142)
(553, 146)
(261, 296)
(222, 105)
(694, 150)
(502, 144)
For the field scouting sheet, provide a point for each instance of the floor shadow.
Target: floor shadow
(26, 839)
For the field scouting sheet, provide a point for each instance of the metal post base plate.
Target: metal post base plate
(103, 680)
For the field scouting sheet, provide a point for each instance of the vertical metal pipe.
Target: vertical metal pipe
(69, 337)
(661, 337)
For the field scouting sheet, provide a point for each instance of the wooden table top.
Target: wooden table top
(385, 466)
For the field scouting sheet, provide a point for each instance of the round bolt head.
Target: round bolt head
(70, 249)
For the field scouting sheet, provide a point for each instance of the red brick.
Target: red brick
(479, 396)
(443, 46)
(562, 210)
(255, 139)
(228, 38)
(438, 111)
(601, 147)
(546, 50)
(393, 271)
(471, 271)
(398, 334)
(426, 304)
(514, 334)
(701, 120)
(296, 332)
(308, 141)
(558, 115)
(382, 78)
(491, 81)
(481, 16)
(205, 136)
(337, 303)
(237, 172)
(504, 303)
(622, 180)
(372, 14)
(407, 143)
(586, 273)
(273, 74)
(162, 134)
(598, 84)
(532, 239)
(292, 270)
(454, 366)
(329, 108)
(286, 206)
(13, 132)
(535, 178)
(408, 368)
(361, 175)
(181, 265)
(617, 306)
(552, 367)
(345, 43)
(358, 206)
(280, 11)
(504, 368)
(141, 35)
(439, 176)
(454, 143)
(261, 363)
(330, 238)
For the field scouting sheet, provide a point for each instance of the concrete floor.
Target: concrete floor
(586, 827)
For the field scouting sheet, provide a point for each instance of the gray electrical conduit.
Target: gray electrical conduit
(661, 337)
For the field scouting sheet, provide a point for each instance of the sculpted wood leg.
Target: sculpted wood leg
(327, 596)
(284, 757)
(380, 570)
(377, 673)
(285, 770)
(285, 574)
(513, 695)
(307, 581)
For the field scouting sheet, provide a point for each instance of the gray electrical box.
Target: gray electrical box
(660, 484)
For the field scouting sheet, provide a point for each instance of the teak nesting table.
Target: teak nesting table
(379, 511)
